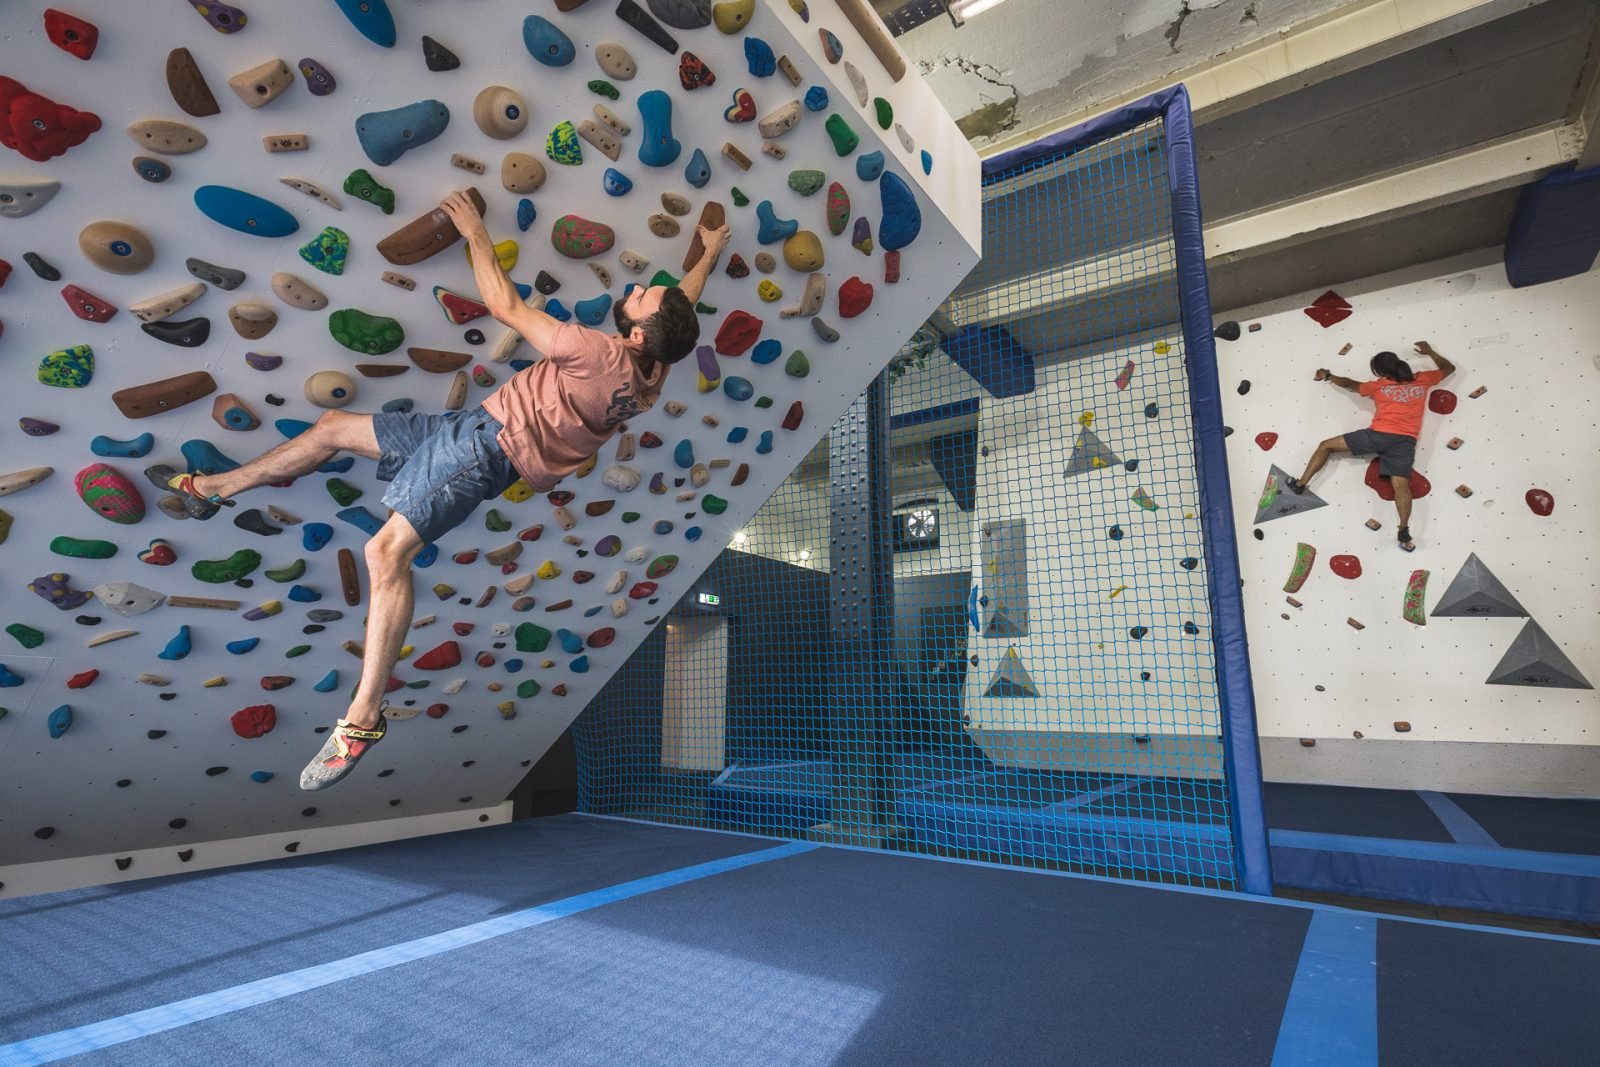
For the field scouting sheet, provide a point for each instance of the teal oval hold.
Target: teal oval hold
(592, 312)
(546, 43)
(385, 136)
(245, 212)
(698, 172)
(738, 388)
(657, 146)
(372, 18)
(869, 166)
(902, 218)
(60, 720)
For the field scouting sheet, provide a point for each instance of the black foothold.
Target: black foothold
(253, 521)
(167, 696)
(1131, 466)
(45, 833)
(123, 783)
(188, 333)
(1260, 536)
(274, 399)
(473, 337)
(546, 283)
(439, 58)
(1244, 386)
(1138, 632)
(178, 823)
(308, 812)
(1115, 533)
(87, 620)
(1227, 431)
(244, 583)
(221, 277)
(312, 628)
(292, 846)
(386, 772)
(124, 862)
(1228, 331)
(1190, 628)
(1152, 410)
(212, 772)
(186, 855)
(41, 266)
(155, 735)
(1188, 563)
(1144, 676)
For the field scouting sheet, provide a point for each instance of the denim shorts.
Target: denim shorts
(1396, 452)
(440, 467)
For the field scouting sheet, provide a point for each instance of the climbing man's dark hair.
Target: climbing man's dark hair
(671, 333)
(1389, 365)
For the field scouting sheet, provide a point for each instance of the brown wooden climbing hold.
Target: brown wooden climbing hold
(380, 370)
(263, 83)
(736, 157)
(876, 35)
(662, 225)
(779, 122)
(1402, 727)
(399, 281)
(168, 394)
(713, 216)
(349, 579)
(426, 236)
(1454, 443)
(1355, 624)
(1476, 393)
(252, 321)
(438, 361)
(297, 292)
(168, 138)
(188, 86)
(1463, 491)
(740, 474)
(603, 139)
(1308, 742)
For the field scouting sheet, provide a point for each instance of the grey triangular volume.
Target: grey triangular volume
(1476, 593)
(1011, 678)
(1533, 659)
(1090, 454)
(1278, 500)
(1003, 625)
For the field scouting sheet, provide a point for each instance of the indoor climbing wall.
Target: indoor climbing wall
(219, 222)
(1467, 664)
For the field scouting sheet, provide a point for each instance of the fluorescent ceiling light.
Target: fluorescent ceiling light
(965, 9)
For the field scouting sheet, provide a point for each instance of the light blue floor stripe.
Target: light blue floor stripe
(1463, 827)
(1332, 1014)
(95, 1036)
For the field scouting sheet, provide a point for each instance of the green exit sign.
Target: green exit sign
(710, 599)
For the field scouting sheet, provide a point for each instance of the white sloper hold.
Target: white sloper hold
(128, 598)
(621, 478)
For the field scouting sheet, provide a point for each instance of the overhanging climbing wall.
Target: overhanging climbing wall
(148, 753)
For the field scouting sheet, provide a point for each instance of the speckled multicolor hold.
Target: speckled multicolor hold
(328, 250)
(67, 368)
(55, 589)
(838, 209)
(578, 238)
(110, 494)
(563, 146)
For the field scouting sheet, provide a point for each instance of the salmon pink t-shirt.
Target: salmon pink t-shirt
(1400, 404)
(557, 413)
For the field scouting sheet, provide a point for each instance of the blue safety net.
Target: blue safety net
(981, 619)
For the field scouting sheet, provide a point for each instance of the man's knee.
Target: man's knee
(393, 547)
(341, 430)
(1333, 444)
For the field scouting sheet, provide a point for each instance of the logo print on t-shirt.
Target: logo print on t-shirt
(1403, 393)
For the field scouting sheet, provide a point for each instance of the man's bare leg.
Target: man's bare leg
(390, 603)
(332, 433)
(1318, 459)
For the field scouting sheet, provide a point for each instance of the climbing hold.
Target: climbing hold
(319, 79)
(802, 251)
(262, 84)
(869, 166)
(777, 123)
(743, 108)
(737, 333)
(902, 219)
(437, 57)
(132, 448)
(845, 140)
(181, 645)
(244, 212)
(1420, 486)
(698, 171)
(60, 720)
(1144, 500)
(1412, 608)
(188, 86)
(861, 236)
(250, 321)
(82, 548)
(792, 418)
(1304, 557)
(1535, 660)
(521, 173)
(110, 494)
(657, 146)
(1328, 309)
(361, 332)
(37, 427)
(855, 296)
(54, 588)
(1266, 439)
(39, 128)
(635, 16)
(579, 238)
(1343, 566)
(1228, 331)
(151, 170)
(75, 36)
(693, 73)
(21, 197)
(116, 247)
(330, 389)
(1539, 501)
(190, 333)
(546, 43)
(385, 136)
(327, 251)
(816, 98)
(67, 368)
(824, 331)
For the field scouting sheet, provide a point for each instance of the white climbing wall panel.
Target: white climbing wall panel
(74, 784)
(1536, 353)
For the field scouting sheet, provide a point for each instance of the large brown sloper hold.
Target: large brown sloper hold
(712, 216)
(152, 398)
(876, 34)
(426, 236)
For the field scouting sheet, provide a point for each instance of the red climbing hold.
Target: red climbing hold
(641, 590)
(459, 309)
(602, 637)
(1540, 502)
(1420, 486)
(437, 711)
(855, 296)
(531, 533)
(5, 272)
(1441, 401)
(559, 689)
(561, 498)
(390, 686)
(791, 421)
(273, 682)
(737, 333)
(693, 72)
(649, 440)
(440, 658)
(485, 659)
(86, 305)
(464, 558)
(83, 679)
(463, 629)
(1266, 439)
(70, 33)
(891, 266)
(737, 267)
(1328, 309)
(1345, 566)
(255, 720)
(38, 127)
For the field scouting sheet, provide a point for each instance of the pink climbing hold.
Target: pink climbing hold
(1265, 440)
(1345, 566)
(440, 658)
(1420, 486)
(1441, 401)
(1540, 502)
(254, 721)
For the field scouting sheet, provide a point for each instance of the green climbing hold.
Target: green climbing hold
(713, 505)
(739, 199)
(531, 637)
(26, 635)
(67, 368)
(297, 651)
(844, 138)
(662, 277)
(630, 516)
(82, 548)
(661, 566)
(885, 112)
(528, 688)
(236, 566)
(294, 570)
(605, 89)
(328, 250)
(495, 522)
(363, 185)
(703, 308)
(763, 401)
(358, 331)
(806, 182)
(798, 366)
(344, 494)
(562, 146)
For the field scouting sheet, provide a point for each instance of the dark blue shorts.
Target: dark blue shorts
(440, 467)
(1396, 452)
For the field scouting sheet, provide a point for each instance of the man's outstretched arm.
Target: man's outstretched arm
(494, 285)
(713, 241)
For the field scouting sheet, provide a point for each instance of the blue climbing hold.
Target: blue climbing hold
(766, 351)
(738, 388)
(662, 527)
(291, 427)
(400, 404)
(132, 448)
(152, 170)
(372, 18)
(765, 444)
(245, 212)
(657, 146)
(759, 58)
(512, 665)
(526, 213)
(60, 720)
(571, 643)
(683, 454)
(902, 219)
(869, 165)
(927, 162)
(304, 594)
(592, 312)
(519, 364)
(616, 183)
(385, 136)
(698, 172)
(243, 645)
(557, 310)
(773, 228)
(816, 98)
(341, 465)
(9, 679)
(580, 665)
(181, 645)
(261, 776)
(546, 43)
(315, 536)
(737, 435)
(692, 533)
(427, 557)
(361, 519)
(204, 457)
(328, 684)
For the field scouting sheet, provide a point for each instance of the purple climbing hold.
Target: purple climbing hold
(319, 79)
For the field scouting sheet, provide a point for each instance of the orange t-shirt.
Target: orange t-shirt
(557, 413)
(1400, 404)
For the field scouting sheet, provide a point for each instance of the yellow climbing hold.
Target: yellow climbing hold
(1117, 590)
(548, 570)
(1162, 348)
(518, 491)
(504, 251)
(214, 683)
(1086, 420)
(405, 651)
